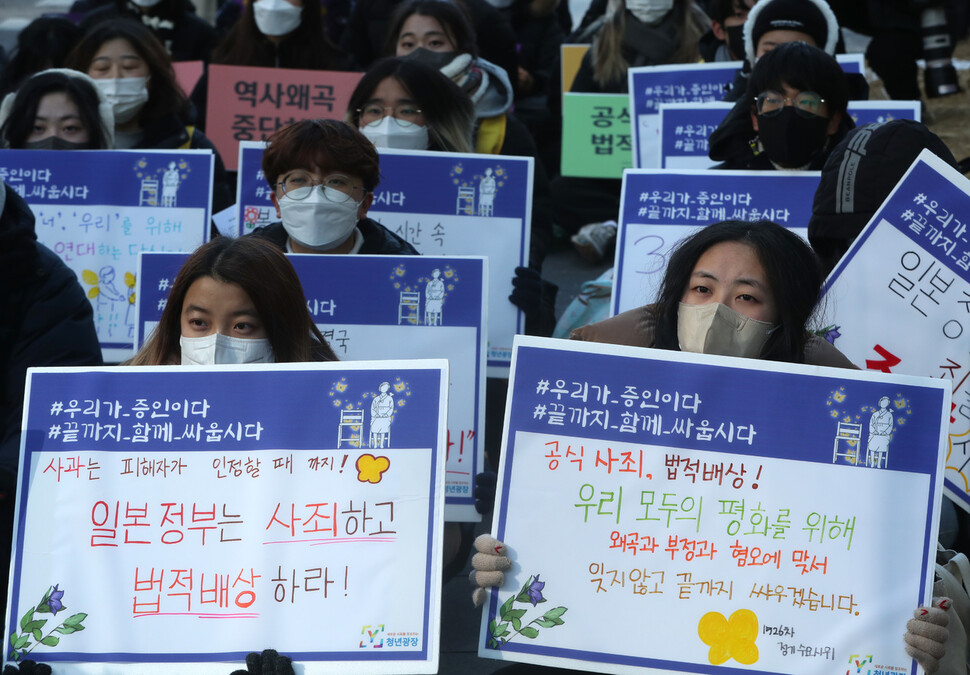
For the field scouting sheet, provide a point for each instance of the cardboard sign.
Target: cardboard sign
(410, 313)
(249, 104)
(899, 300)
(443, 204)
(713, 508)
(98, 209)
(572, 57)
(224, 506)
(188, 74)
(659, 208)
(596, 139)
(686, 127)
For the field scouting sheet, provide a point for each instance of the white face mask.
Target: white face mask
(127, 96)
(717, 329)
(276, 17)
(224, 349)
(649, 12)
(146, 3)
(388, 132)
(317, 222)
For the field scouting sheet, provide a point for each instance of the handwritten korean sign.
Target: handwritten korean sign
(659, 208)
(899, 301)
(98, 209)
(152, 499)
(417, 307)
(247, 103)
(665, 493)
(596, 135)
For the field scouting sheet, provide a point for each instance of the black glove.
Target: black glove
(484, 491)
(28, 667)
(537, 299)
(270, 662)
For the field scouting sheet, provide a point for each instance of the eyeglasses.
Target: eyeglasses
(404, 114)
(806, 103)
(299, 184)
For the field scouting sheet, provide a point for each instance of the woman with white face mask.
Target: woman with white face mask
(275, 34)
(235, 301)
(134, 72)
(409, 105)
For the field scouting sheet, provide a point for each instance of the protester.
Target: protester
(135, 73)
(405, 104)
(47, 321)
(57, 109)
(44, 43)
(857, 178)
(323, 174)
(183, 33)
(274, 34)
(725, 40)
(793, 115)
(651, 33)
(235, 301)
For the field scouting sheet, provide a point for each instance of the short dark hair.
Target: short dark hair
(452, 18)
(165, 97)
(805, 68)
(792, 270)
(44, 43)
(17, 127)
(264, 273)
(719, 10)
(327, 145)
(449, 112)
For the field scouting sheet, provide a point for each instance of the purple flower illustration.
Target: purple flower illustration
(833, 333)
(54, 601)
(535, 591)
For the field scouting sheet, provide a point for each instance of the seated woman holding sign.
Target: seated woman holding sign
(135, 73)
(734, 289)
(235, 301)
(57, 109)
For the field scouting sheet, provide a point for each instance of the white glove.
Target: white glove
(489, 563)
(926, 634)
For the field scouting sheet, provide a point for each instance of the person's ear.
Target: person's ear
(718, 31)
(276, 203)
(834, 122)
(364, 205)
(754, 118)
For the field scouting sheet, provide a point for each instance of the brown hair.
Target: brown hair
(165, 97)
(267, 277)
(326, 145)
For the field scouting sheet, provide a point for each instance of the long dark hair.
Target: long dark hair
(452, 17)
(447, 109)
(267, 277)
(793, 275)
(44, 43)
(165, 97)
(17, 127)
(306, 47)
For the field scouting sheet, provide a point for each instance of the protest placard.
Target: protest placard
(443, 204)
(572, 57)
(188, 74)
(172, 519)
(661, 207)
(899, 300)
(413, 308)
(712, 507)
(596, 135)
(248, 104)
(98, 209)
(686, 127)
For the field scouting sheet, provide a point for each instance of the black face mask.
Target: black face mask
(791, 140)
(436, 60)
(54, 143)
(735, 41)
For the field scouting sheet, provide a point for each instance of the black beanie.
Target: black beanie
(801, 15)
(858, 176)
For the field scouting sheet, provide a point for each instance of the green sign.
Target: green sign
(596, 136)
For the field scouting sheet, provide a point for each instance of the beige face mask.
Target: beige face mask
(717, 329)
